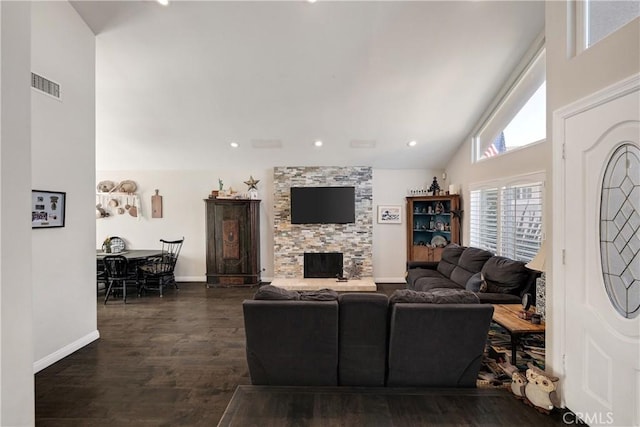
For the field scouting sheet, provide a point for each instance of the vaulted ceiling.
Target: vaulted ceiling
(175, 85)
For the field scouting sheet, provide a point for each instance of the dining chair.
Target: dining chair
(117, 274)
(158, 271)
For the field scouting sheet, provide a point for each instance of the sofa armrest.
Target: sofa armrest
(431, 265)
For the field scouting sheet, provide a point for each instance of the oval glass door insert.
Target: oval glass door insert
(619, 229)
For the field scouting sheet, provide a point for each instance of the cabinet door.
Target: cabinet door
(231, 239)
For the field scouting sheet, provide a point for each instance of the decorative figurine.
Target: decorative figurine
(355, 270)
(540, 390)
(252, 191)
(518, 384)
(435, 187)
(252, 183)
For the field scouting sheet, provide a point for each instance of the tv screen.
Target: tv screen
(323, 205)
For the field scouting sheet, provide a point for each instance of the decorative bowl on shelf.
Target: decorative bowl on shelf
(438, 241)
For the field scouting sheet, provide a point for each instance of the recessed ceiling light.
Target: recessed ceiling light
(234, 145)
(163, 2)
(318, 143)
(412, 143)
(312, 1)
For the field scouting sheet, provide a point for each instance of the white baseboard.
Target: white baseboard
(60, 354)
(191, 278)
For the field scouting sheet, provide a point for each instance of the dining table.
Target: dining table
(134, 258)
(132, 255)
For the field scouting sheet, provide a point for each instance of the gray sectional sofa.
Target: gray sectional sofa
(495, 279)
(431, 339)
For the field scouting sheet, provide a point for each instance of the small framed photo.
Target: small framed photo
(389, 214)
(47, 209)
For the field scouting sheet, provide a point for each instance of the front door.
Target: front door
(600, 234)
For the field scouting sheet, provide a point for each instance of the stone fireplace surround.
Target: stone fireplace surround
(291, 241)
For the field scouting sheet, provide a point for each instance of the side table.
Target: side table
(506, 315)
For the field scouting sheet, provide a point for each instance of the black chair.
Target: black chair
(116, 268)
(101, 279)
(158, 271)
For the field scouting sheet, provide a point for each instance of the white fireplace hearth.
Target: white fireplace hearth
(365, 284)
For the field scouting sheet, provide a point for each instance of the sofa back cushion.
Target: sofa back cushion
(450, 256)
(470, 262)
(270, 292)
(434, 296)
(506, 276)
(362, 339)
(292, 343)
(437, 345)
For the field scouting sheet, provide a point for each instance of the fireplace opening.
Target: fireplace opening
(322, 265)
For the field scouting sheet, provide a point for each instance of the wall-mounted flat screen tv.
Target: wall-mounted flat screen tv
(323, 205)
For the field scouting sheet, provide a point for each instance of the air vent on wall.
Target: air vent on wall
(45, 85)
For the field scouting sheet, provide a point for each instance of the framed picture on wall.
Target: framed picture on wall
(47, 208)
(389, 214)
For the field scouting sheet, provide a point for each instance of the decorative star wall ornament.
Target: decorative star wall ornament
(252, 183)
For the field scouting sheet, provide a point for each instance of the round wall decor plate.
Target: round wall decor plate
(128, 186)
(105, 186)
(117, 245)
(439, 241)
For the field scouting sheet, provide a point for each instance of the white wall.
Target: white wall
(63, 159)
(183, 192)
(571, 77)
(16, 336)
(390, 240)
(183, 208)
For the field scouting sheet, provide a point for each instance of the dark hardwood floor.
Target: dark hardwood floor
(177, 360)
(165, 361)
(379, 406)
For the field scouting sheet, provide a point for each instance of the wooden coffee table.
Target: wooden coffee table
(506, 315)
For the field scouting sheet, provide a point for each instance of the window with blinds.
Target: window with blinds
(507, 219)
(484, 219)
(521, 221)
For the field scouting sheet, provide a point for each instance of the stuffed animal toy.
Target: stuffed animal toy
(518, 384)
(540, 390)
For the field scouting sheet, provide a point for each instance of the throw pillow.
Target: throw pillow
(435, 296)
(483, 283)
(269, 292)
(320, 295)
(474, 283)
(504, 275)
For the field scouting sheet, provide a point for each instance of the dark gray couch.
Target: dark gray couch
(505, 280)
(366, 339)
(437, 345)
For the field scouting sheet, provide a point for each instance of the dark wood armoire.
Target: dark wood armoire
(233, 242)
